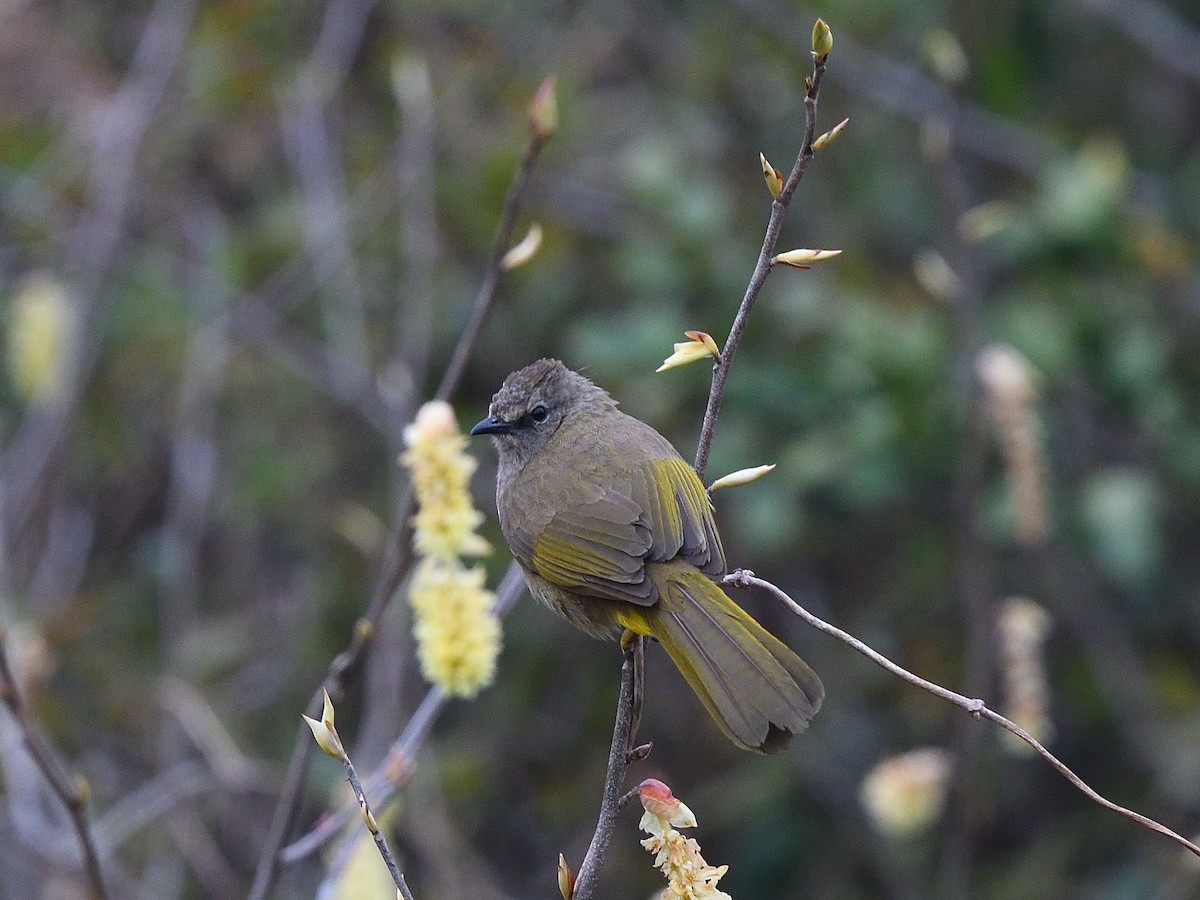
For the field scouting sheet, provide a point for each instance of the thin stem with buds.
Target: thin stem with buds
(762, 268)
(380, 841)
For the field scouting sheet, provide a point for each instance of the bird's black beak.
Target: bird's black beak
(492, 425)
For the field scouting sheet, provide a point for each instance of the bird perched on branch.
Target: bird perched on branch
(614, 530)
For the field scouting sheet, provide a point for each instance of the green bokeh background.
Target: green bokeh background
(276, 248)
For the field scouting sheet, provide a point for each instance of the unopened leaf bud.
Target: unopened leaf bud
(822, 39)
(369, 818)
(327, 712)
(325, 734)
(772, 176)
(566, 878)
(543, 110)
(830, 136)
(740, 477)
(803, 259)
(326, 738)
(524, 251)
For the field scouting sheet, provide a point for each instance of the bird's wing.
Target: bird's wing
(599, 541)
(679, 514)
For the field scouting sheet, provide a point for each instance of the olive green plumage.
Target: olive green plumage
(614, 530)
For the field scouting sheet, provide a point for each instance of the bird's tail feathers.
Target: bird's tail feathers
(758, 691)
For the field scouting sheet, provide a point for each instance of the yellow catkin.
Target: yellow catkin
(455, 624)
(1023, 627)
(458, 635)
(445, 523)
(1011, 385)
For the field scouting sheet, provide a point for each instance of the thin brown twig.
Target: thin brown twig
(976, 707)
(383, 782)
(619, 757)
(72, 791)
(762, 268)
(380, 841)
(398, 552)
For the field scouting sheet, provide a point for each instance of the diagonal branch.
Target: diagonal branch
(976, 707)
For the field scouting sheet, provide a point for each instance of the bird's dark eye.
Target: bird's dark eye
(539, 413)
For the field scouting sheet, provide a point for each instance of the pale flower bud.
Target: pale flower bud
(324, 732)
(822, 39)
(566, 878)
(658, 800)
(368, 817)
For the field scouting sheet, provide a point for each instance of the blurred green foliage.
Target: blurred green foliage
(209, 502)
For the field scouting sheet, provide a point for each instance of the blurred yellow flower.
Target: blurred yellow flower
(41, 333)
(1023, 627)
(904, 794)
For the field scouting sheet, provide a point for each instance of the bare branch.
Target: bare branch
(977, 708)
(71, 790)
(1157, 30)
